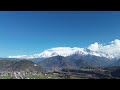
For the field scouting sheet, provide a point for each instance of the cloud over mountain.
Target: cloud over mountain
(111, 50)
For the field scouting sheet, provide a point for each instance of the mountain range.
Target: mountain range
(65, 51)
(110, 51)
(73, 58)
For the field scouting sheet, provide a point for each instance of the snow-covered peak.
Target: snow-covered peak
(111, 51)
(61, 51)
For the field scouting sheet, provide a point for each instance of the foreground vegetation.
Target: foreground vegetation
(82, 73)
(26, 69)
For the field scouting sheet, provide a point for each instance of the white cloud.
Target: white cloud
(95, 46)
(21, 56)
(111, 49)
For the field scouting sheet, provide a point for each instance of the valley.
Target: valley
(32, 71)
(65, 74)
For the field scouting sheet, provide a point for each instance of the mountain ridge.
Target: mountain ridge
(64, 51)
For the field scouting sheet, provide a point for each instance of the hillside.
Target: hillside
(74, 62)
(22, 65)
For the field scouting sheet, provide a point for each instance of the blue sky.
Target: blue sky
(30, 32)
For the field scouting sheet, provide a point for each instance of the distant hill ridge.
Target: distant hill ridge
(22, 65)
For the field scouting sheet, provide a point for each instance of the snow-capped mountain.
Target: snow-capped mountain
(63, 51)
(110, 51)
(59, 51)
